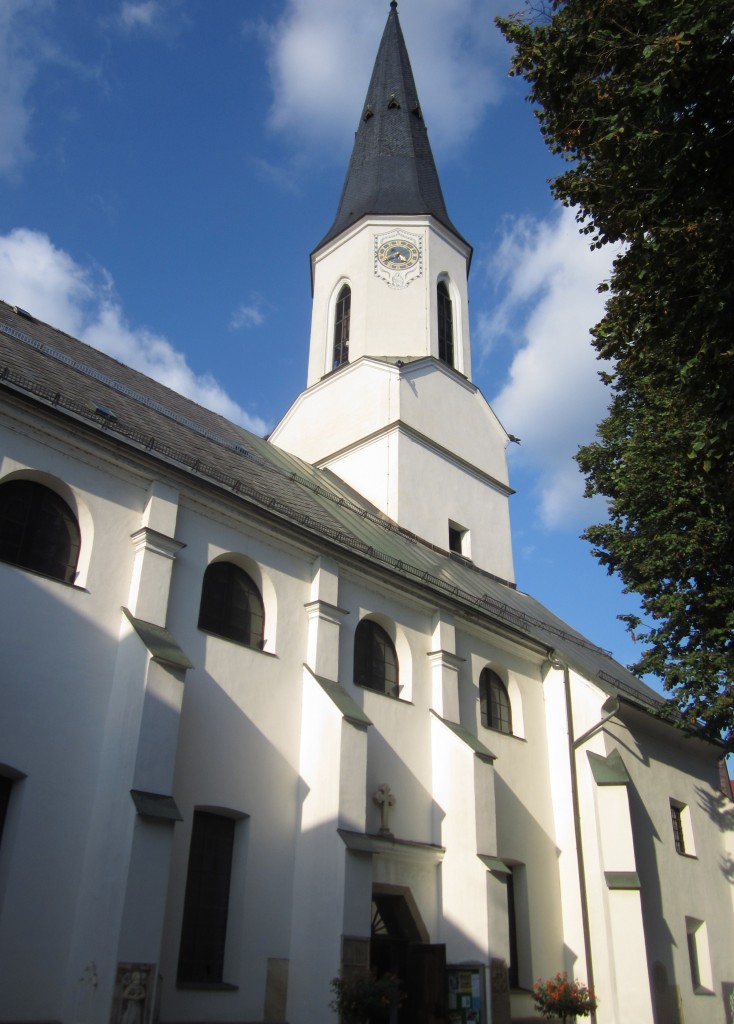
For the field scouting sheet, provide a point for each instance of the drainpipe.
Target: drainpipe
(556, 663)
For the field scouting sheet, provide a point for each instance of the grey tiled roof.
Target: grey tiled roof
(82, 385)
(391, 170)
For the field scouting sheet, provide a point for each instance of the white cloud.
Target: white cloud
(250, 315)
(136, 15)
(20, 54)
(553, 397)
(162, 19)
(321, 54)
(46, 281)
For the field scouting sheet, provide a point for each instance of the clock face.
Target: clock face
(398, 254)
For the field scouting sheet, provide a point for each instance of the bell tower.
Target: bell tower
(390, 406)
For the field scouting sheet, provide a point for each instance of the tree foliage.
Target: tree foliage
(637, 96)
(361, 996)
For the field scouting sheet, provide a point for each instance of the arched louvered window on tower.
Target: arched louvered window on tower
(375, 659)
(38, 530)
(342, 316)
(445, 325)
(231, 605)
(494, 702)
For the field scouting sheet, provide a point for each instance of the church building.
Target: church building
(275, 710)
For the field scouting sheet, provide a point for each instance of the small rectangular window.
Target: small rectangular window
(459, 539)
(5, 787)
(512, 925)
(699, 955)
(445, 325)
(680, 816)
(206, 904)
(341, 327)
(693, 957)
(678, 836)
(518, 925)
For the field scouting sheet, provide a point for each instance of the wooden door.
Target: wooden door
(427, 997)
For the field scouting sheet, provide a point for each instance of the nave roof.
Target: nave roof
(80, 384)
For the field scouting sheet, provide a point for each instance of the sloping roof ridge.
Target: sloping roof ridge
(651, 699)
(185, 421)
(123, 389)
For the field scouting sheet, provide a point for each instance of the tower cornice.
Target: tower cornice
(381, 223)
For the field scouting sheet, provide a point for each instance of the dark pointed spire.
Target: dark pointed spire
(391, 170)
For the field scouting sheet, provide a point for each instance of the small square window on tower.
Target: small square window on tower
(459, 539)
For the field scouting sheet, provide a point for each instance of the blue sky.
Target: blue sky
(168, 165)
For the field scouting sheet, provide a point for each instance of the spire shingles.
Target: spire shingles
(391, 170)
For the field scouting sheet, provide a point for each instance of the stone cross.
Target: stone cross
(385, 800)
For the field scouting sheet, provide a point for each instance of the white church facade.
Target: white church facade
(274, 709)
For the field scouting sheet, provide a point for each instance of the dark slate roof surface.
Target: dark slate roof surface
(48, 367)
(391, 170)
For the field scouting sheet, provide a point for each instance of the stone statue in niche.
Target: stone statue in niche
(133, 997)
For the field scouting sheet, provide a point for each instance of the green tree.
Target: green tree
(638, 97)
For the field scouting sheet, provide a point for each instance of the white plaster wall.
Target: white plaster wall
(617, 933)
(367, 396)
(623, 984)
(456, 495)
(399, 743)
(387, 321)
(328, 745)
(627, 828)
(557, 731)
(239, 744)
(464, 925)
(260, 740)
(352, 424)
(353, 403)
(665, 764)
(399, 754)
(453, 412)
(62, 645)
(372, 468)
(525, 821)
(391, 472)
(615, 921)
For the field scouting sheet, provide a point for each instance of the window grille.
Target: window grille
(341, 327)
(676, 815)
(38, 530)
(494, 702)
(375, 659)
(445, 325)
(231, 605)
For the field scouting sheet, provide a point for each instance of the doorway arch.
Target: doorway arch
(400, 944)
